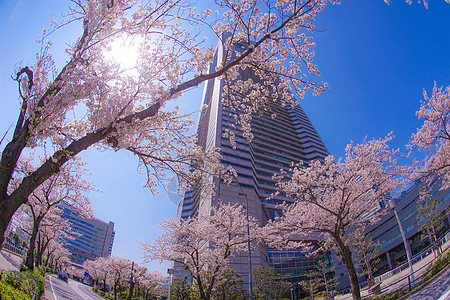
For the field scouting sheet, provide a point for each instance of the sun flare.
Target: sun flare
(124, 50)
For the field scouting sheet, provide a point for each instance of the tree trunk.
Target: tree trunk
(29, 262)
(436, 240)
(39, 251)
(47, 260)
(10, 155)
(327, 290)
(201, 290)
(371, 281)
(38, 261)
(346, 255)
(40, 254)
(7, 210)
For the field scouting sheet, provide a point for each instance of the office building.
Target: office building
(392, 252)
(277, 142)
(94, 238)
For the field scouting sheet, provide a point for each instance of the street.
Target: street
(72, 290)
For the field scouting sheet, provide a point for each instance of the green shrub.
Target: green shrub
(7, 292)
(22, 281)
(98, 291)
(388, 296)
(25, 281)
(438, 265)
(23, 268)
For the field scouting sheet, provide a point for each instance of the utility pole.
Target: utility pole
(170, 272)
(131, 281)
(250, 279)
(392, 206)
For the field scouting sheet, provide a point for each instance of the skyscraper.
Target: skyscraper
(277, 142)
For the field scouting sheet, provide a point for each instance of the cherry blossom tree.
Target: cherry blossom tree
(58, 254)
(53, 228)
(204, 244)
(150, 283)
(94, 268)
(137, 275)
(67, 185)
(93, 100)
(98, 269)
(434, 135)
(334, 198)
(425, 2)
(119, 270)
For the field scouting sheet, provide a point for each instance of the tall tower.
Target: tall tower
(277, 142)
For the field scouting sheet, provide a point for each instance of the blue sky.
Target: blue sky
(377, 59)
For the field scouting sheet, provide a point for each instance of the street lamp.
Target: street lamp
(131, 281)
(249, 249)
(405, 242)
(170, 272)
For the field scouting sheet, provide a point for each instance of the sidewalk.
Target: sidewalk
(48, 290)
(389, 282)
(9, 261)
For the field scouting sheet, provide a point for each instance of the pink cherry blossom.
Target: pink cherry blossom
(334, 200)
(434, 135)
(93, 101)
(203, 244)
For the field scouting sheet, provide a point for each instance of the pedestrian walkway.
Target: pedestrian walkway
(396, 279)
(9, 261)
(439, 289)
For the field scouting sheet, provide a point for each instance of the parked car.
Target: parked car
(63, 276)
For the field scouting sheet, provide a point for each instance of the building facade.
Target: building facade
(94, 238)
(277, 143)
(392, 252)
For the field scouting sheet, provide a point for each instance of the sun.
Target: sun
(124, 50)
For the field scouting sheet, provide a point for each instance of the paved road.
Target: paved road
(72, 290)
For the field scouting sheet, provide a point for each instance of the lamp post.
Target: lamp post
(131, 281)
(170, 272)
(249, 249)
(392, 206)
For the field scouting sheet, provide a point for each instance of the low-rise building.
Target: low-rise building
(392, 251)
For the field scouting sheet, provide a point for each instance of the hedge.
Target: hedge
(7, 292)
(24, 282)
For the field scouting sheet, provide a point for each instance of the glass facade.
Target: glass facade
(277, 142)
(93, 237)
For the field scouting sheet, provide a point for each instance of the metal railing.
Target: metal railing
(418, 257)
(11, 246)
